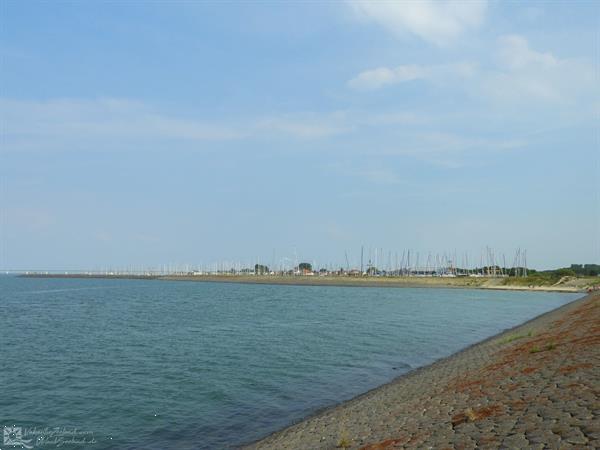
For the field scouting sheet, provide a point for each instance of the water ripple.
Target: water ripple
(151, 364)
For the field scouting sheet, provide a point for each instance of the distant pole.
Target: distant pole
(402, 262)
(273, 261)
(362, 254)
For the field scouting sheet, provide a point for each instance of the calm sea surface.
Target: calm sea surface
(185, 365)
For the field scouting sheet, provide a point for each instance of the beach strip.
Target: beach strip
(570, 285)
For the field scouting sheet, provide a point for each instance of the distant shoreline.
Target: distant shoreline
(342, 281)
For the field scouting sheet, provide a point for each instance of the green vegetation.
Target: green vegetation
(305, 267)
(344, 441)
(514, 337)
(586, 270)
(547, 347)
(546, 277)
(535, 279)
(259, 269)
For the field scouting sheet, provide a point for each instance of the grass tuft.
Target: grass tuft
(514, 337)
(547, 347)
(344, 441)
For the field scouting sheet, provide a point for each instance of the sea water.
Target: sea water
(113, 363)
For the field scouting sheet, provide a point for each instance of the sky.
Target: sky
(138, 134)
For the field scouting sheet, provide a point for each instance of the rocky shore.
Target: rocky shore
(535, 386)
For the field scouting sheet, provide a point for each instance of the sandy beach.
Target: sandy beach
(572, 285)
(535, 386)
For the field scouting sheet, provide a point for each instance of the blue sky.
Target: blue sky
(192, 132)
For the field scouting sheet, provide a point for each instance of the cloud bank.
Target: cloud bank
(438, 22)
(518, 74)
(82, 123)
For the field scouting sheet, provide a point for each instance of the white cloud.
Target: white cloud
(384, 76)
(105, 118)
(308, 128)
(519, 75)
(448, 150)
(75, 123)
(525, 75)
(514, 53)
(436, 21)
(81, 124)
(436, 142)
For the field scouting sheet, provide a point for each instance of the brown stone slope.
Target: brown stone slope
(537, 386)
